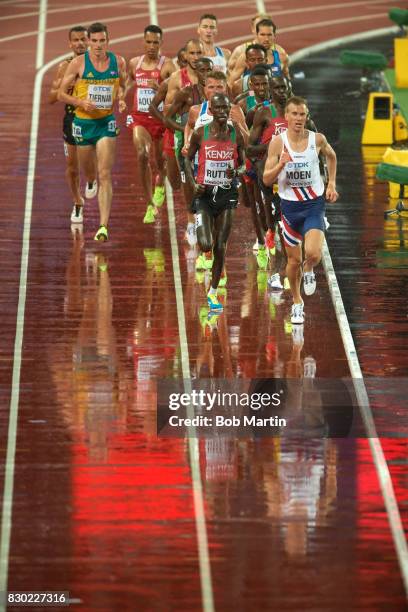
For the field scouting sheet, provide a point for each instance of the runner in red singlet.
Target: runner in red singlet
(146, 72)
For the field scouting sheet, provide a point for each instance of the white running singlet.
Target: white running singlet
(300, 179)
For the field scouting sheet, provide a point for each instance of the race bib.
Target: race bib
(215, 172)
(101, 96)
(144, 97)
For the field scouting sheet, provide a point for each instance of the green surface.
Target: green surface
(392, 173)
(400, 95)
(363, 59)
(398, 16)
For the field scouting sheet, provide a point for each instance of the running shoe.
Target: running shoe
(91, 190)
(102, 234)
(223, 281)
(274, 282)
(77, 215)
(150, 215)
(213, 303)
(208, 260)
(159, 195)
(190, 234)
(262, 258)
(270, 239)
(297, 315)
(276, 298)
(309, 283)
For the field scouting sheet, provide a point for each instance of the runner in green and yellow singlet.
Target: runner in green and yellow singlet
(99, 77)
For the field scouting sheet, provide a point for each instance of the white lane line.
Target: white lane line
(383, 473)
(7, 505)
(70, 8)
(237, 18)
(384, 476)
(315, 25)
(153, 12)
(260, 6)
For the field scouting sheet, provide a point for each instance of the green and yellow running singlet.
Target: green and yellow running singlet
(101, 88)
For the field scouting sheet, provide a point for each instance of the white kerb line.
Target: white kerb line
(7, 505)
(193, 446)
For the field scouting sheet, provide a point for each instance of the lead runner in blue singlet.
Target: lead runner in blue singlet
(294, 163)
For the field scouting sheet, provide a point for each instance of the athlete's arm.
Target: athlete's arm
(237, 88)
(331, 158)
(188, 130)
(276, 161)
(284, 58)
(174, 87)
(74, 70)
(53, 94)
(237, 52)
(130, 77)
(238, 70)
(195, 143)
(122, 83)
(239, 118)
(240, 170)
(258, 125)
(167, 69)
(175, 108)
(159, 97)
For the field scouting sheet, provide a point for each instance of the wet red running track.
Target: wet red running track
(101, 506)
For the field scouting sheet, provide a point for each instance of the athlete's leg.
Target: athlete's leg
(172, 171)
(204, 225)
(72, 173)
(105, 153)
(143, 143)
(294, 270)
(313, 249)
(160, 163)
(222, 229)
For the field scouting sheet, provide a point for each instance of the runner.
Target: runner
(78, 40)
(277, 58)
(293, 161)
(240, 49)
(147, 71)
(220, 148)
(156, 110)
(99, 78)
(183, 101)
(186, 75)
(207, 31)
(238, 79)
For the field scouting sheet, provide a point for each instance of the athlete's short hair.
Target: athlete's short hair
(221, 95)
(154, 29)
(261, 16)
(296, 101)
(194, 41)
(205, 60)
(266, 23)
(259, 71)
(77, 28)
(218, 75)
(255, 46)
(97, 27)
(207, 16)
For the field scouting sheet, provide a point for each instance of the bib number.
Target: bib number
(101, 96)
(144, 97)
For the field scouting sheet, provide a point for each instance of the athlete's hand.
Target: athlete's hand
(122, 106)
(331, 193)
(285, 157)
(184, 151)
(87, 106)
(199, 189)
(153, 84)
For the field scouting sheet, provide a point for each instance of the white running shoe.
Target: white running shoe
(309, 283)
(191, 235)
(77, 215)
(274, 282)
(297, 315)
(255, 246)
(91, 190)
